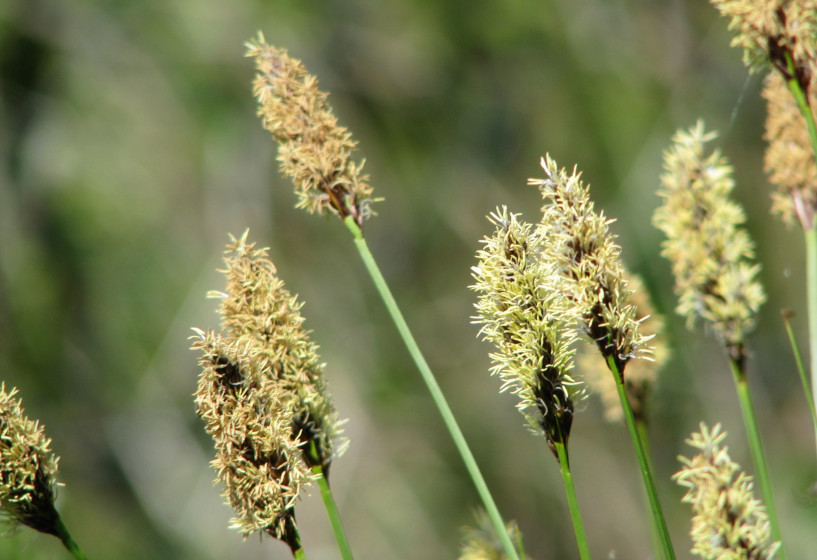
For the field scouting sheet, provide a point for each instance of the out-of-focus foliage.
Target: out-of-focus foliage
(129, 148)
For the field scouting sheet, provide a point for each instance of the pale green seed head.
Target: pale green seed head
(529, 325)
(480, 541)
(728, 522)
(709, 251)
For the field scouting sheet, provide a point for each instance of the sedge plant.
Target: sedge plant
(592, 280)
(264, 401)
(315, 152)
(780, 37)
(711, 256)
(529, 323)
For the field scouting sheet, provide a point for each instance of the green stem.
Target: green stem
(753, 435)
(643, 463)
(68, 541)
(332, 511)
(801, 370)
(807, 219)
(572, 503)
(299, 554)
(811, 294)
(433, 387)
(655, 531)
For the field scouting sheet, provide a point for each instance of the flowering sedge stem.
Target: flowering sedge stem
(331, 509)
(572, 503)
(68, 541)
(801, 369)
(644, 463)
(810, 230)
(433, 387)
(753, 435)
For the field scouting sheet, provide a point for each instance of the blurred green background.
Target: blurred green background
(130, 148)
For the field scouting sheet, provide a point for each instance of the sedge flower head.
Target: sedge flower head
(28, 469)
(789, 160)
(642, 372)
(263, 396)
(773, 31)
(313, 149)
(729, 523)
(588, 263)
(480, 542)
(709, 251)
(526, 322)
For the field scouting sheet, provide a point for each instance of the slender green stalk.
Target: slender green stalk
(332, 510)
(810, 229)
(299, 554)
(801, 370)
(811, 289)
(753, 435)
(655, 531)
(644, 463)
(572, 503)
(68, 541)
(433, 387)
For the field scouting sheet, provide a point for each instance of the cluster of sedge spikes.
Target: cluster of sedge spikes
(538, 284)
(263, 397)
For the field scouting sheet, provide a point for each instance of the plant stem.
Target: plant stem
(572, 503)
(655, 531)
(798, 359)
(68, 541)
(299, 554)
(644, 463)
(332, 510)
(807, 220)
(433, 387)
(753, 435)
(811, 294)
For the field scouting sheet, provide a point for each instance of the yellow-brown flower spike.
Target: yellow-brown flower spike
(789, 160)
(588, 264)
(641, 372)
(256, 305)
(782, 33)
(480, 542)
(258, 460)
(728, 522)
(526, 322)
(28, 469)
(709, 252)
(263, 396)
(314, 150)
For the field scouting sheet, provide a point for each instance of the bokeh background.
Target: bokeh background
(129, 148)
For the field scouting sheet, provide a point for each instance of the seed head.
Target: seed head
(480, 542)
(313, 149)
(28, 468)
(263, 396)
(587, 260)
(728, 522)
(789, 160)
(526, 322)
(642, 372)
(772, 31)
(710, 253)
